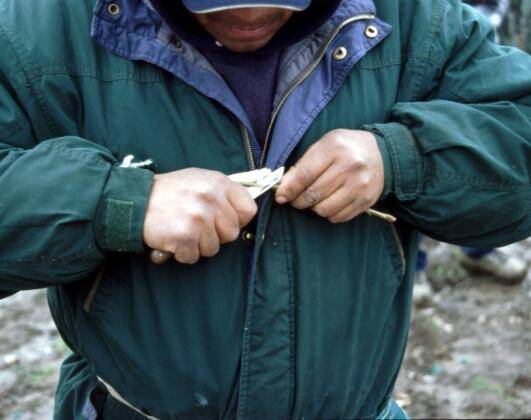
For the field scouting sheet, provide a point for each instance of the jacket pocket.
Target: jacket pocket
(395, 249)
(87, 304)
(96, 297)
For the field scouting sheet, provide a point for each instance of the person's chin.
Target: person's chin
(244, 47)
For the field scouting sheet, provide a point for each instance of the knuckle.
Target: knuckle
(311, 196)
(187, 237)
(198, 218)
(358, 163)
(207, 193)
(304, 175)
(364, 181)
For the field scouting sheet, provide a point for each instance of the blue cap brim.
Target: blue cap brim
(209, 6)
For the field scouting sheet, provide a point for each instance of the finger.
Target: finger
(227, 223)
(187, 245)
(335, 203)
(323, 187)
(186, 254)
(348, 213)
(160, 257)
(242, 202)
(303, 174)
(208, 242)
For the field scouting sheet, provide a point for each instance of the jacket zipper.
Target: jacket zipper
(291, 88)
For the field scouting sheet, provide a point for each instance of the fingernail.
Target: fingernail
(281, 199)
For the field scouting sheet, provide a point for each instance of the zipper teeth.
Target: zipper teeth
(304, 75)
(248, 148)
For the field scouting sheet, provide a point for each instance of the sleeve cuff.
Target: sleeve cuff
(402, 160)
(122, 209)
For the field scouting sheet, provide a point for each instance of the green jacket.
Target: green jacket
(311, 319)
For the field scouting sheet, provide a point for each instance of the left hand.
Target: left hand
(339, 177)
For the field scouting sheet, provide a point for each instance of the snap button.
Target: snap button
(248, 236)
(340, 53)
(114, 9)
(371, 31)
(177, 43)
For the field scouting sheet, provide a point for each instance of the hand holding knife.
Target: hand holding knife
(258, 182)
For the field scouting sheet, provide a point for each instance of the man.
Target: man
(407, 107)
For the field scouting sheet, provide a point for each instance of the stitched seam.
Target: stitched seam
(105, 79)
(39, 71)
(389, 135)
(17, 125)
(292, 322)
(151, 59)
(394, 159)
(96, 158)
(18, 51)
(48, 261)
(428, 46)
(479, 184)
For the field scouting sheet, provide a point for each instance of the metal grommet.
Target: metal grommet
(113, 9)
(371, 31)
(340, 53)
(247, 236)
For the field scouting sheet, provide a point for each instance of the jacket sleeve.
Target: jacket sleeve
(458, 160)
(64, 204)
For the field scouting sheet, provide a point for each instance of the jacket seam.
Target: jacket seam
(375, 63)
(50, 261)
(75, 153)
(292, 323)
(397, 162)
(39, 72)
(214, 94)
(479, 184)
(427, 49)
(18, 51)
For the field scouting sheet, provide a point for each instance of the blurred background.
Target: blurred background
(469, 352)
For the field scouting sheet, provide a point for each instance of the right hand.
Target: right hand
(191, 212)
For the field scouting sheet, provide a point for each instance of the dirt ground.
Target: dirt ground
(469, 354)
(469, 351)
